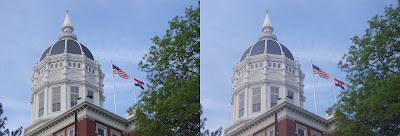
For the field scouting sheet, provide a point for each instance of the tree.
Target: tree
(5, 131)
(171, 103)
(371, 103)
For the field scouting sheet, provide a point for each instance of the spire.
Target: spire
(267, 30)
(67, 29)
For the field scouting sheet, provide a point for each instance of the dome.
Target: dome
(269, 46)
(70, 46)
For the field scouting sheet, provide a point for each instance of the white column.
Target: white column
(263, 97)
(246, 101)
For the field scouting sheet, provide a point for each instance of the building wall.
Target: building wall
(288, 127)
(87, 127)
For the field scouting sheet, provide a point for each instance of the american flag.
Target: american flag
(117, 70)
(317, 70)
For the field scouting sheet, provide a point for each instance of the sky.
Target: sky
(120, 31)
(310, 29)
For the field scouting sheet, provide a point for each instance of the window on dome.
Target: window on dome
(73, 65)
(274, 65)
(274, 96)
(290, 95)
(41, 104)
(52, 66)
(290, 69)
(69, 64)
(38, 72)
(269, 64)
(256, 99)
(89, 94)
(279, 65)
(61, 64)
(56, 99)
(56, 65)
(241, 105)
(256, 66)
(74, 95)
(93, 71)
(293, 71)
(252, 66)
(90, 69)
(286, 68)
(79, 65)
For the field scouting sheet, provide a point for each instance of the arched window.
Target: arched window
(252, 66)
(279, 65)
(79, 65)
(61, 64)
(274, 65)
(269, 64)
(52, 66)
(256, 65)
(73, 65)
(56, 65)
(69, 64)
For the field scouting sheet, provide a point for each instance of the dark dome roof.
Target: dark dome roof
(73, 47)
(271, 46)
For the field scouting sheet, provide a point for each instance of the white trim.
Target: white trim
(115, 132)
(271, 129)
(71, 128)
(61, 133)
(102, 127)
(301, 127)
(315, 133)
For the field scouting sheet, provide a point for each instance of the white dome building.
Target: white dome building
(67, 93)
(65, 72)
(267, 92)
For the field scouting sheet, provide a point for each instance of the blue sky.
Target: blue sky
(310, 29)
(120, 31)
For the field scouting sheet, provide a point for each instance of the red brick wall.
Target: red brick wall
(287, 127)
(87, 127)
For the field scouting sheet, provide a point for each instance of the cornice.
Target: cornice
(284, 106)
(76, 109)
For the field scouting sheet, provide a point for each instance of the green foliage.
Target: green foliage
(371, 103)
(171, 103)
(5, 131)
(206, 132)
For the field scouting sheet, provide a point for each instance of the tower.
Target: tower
(267, 93)
(66, 72)
(266, 72)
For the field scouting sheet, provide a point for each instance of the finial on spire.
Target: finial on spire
(267, 29)
(67, 29)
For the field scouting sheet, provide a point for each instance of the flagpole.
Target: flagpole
(112, 73)
(334, 86)
(315, 100)
(134, 88)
